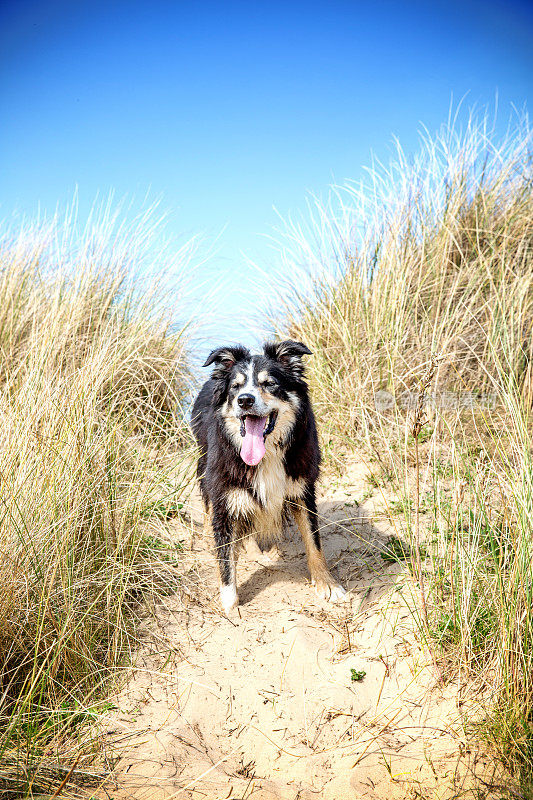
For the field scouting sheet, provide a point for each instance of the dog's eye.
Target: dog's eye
(269, 384)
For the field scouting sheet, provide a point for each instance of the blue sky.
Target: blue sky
(227, 109)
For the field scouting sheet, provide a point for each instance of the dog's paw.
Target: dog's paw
(228, 598)
(338, 594)
(330, 590)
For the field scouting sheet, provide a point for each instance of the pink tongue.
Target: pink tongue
(253, 445)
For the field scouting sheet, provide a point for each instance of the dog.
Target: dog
(259, 457)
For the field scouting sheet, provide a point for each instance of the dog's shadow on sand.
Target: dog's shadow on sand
(357, 552)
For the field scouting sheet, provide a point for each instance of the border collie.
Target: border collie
(259, 457)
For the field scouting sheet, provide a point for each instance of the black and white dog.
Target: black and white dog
(260, 457)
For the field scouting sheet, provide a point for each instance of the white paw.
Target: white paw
(228, 597)
(330, 591)
(338, 594)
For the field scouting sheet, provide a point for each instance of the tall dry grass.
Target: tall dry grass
(429, 255)
(93, 373)
(430, 261)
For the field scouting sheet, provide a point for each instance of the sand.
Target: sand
(262, 704)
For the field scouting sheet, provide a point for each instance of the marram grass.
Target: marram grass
(430, 262)
(430, 256)
(92, 376)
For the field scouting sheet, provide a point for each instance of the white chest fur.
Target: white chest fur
(272, 487)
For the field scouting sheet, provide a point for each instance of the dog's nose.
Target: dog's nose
(246, 400)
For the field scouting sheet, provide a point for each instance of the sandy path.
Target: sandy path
(263, 705)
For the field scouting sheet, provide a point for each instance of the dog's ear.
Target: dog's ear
(225, 358)
(289, 355)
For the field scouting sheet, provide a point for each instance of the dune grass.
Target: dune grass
(427, 269)
(92, 377)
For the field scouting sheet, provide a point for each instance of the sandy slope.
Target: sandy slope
(262, 705)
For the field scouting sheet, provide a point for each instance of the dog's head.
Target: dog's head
(258, 396)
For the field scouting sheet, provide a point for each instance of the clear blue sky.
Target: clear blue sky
(228, 109)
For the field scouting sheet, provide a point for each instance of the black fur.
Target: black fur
(220, 466)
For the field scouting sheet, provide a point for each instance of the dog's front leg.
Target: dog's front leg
(305, 516)
(223, 531)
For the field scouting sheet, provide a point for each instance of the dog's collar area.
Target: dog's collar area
(269, 427)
